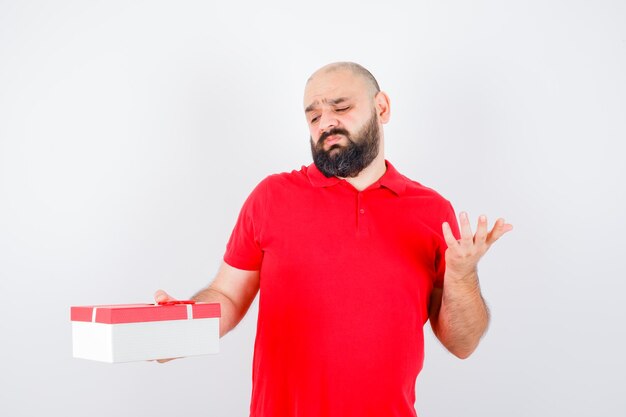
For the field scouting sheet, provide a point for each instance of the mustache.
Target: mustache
(333, 131)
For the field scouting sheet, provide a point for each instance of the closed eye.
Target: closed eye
(342, 109)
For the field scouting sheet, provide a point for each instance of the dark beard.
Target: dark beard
(347, 161)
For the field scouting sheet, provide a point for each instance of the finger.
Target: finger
(481, 229)
(162, 296)
(448, 236)
(466, 229)
(500, 228)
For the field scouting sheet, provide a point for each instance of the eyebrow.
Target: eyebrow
(334, 102)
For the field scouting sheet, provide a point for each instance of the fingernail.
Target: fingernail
(483, 218)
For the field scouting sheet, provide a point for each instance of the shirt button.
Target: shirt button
(362, 211)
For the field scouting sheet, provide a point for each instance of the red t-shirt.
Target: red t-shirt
(345, 283)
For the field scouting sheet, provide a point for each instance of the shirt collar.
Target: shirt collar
(391, 179)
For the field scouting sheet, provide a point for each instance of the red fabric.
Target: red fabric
(345, 282)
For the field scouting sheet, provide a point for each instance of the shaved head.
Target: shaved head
(355, 69)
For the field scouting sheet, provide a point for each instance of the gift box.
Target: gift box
(138, 332)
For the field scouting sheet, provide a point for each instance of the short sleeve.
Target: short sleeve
(440, 256)
(243, 250)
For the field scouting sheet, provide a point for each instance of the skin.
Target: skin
(337, 97)
(324, 110)
(458, 314)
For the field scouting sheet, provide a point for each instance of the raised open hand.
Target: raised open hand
(462, 255)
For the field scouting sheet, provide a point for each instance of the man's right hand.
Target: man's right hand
(159, 297)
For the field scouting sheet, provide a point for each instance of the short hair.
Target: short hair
(355, 69)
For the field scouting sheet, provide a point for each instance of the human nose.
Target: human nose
(327, 121)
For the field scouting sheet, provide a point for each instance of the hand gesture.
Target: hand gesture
(462, 255)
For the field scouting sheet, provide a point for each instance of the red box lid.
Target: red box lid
(135, 313)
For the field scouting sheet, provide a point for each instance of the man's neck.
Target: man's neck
(370, 174)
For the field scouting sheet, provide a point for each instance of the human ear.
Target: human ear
(383, 106)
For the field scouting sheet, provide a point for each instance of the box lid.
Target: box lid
(135, 313)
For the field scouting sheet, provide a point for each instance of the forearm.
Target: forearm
(463, 315)
(231, 314)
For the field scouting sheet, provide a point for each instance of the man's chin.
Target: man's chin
(335, 149)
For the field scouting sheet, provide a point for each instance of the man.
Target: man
(351, 259)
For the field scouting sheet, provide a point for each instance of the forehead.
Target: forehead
(328, 86)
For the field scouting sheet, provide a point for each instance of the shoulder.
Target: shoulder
(279, 184)
(414, 188)
(290, 180)
(424, 195)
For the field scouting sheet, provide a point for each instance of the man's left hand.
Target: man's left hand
(462, 255)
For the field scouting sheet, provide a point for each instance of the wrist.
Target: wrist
(470, 275)
(468, 280)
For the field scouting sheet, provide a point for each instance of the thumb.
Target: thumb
(161, 296)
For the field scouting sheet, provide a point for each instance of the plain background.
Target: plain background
(131, 133)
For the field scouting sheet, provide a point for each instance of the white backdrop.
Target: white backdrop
(131, 133)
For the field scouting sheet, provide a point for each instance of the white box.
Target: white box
(138, 332)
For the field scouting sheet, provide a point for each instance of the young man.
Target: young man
(351, 259)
